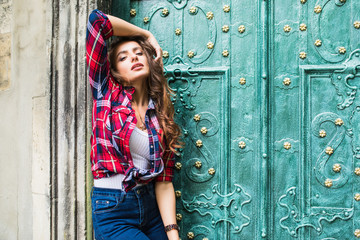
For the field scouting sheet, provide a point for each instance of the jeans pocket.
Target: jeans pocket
(103, 204)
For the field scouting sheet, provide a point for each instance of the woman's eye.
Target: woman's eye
(139, 53)
(122, 58)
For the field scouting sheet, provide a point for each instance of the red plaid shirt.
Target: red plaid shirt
(113, 118)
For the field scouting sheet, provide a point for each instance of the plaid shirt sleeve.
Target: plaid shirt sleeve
(99, 29)
(167, 174)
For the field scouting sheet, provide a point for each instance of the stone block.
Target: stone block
(5, 16)
(5, 61)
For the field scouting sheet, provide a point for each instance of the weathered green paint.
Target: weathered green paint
(263, 190)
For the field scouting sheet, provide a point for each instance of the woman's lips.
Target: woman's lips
(137, 66)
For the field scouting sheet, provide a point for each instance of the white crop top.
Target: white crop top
(140, 153)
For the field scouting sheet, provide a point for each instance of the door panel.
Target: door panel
(266, 95)
(313, 108)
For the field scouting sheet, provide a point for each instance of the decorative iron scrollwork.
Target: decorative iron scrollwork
(340, 79)
(179, 76)
(207, 170)
(293, 221)
(178, 4)
(326, 52)
(321, 169)
(215, 205)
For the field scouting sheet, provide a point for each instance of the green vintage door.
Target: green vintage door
(266, 95)
(315, 110)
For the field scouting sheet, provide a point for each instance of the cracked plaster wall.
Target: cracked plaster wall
(24, 122)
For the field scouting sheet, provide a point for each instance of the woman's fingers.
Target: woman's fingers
(158, 51)
(158, 57)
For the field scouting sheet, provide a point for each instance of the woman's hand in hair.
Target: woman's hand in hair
(152, 40)
(123, 28)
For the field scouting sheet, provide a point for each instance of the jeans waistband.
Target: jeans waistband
(138, 190)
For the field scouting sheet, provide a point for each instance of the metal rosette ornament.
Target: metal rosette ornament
(205, 125)
(323, 169)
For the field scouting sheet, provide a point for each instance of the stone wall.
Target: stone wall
(5, 43)
(8, 176)
(25, 120)
(45, 108)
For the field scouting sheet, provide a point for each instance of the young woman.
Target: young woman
(133, 133)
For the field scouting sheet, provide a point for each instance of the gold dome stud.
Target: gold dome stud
(192, 10)
(190, 235)
(225, 53)
(329, 150)
(303, 1)
(225, 28)
(198, 164)
(205, 239)
(178, 193)
(287, 145)
(357, 233)
(242, 144)
(133, 12)
(302, 55)
(226, 8)
(339, 122)
(210, 15)
(199, 143)
(203, 130)
(178, 165)
(322, 133)
(343, 1)
(197, 118)
(165, 54)
(303, 27)
(328, 183)
(191, 54)
(357, 197)
(287, 28)
(211, 171)
(178, 216)
(318, 43)
(146, 19)
(357, 171)
(165, 12)
(241, 29)
(357, 24)
(210, 45)
(287, 81)
(342, 50)
(336, 167)
(242, 81)
(178, 31)
(317, 9)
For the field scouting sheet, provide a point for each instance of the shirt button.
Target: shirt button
(151, 146)
(138, 191)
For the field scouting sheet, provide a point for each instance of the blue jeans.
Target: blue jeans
(131, 216)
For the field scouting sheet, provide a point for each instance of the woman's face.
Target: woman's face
(131, 63)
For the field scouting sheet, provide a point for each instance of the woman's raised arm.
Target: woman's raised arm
(123, 28)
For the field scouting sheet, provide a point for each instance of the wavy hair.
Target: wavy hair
(158, 90)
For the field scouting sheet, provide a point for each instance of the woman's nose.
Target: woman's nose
(134, 57)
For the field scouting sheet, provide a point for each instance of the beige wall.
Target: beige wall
(45, 108)
(24, 121)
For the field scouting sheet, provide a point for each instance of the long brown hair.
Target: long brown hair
(158, 90)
